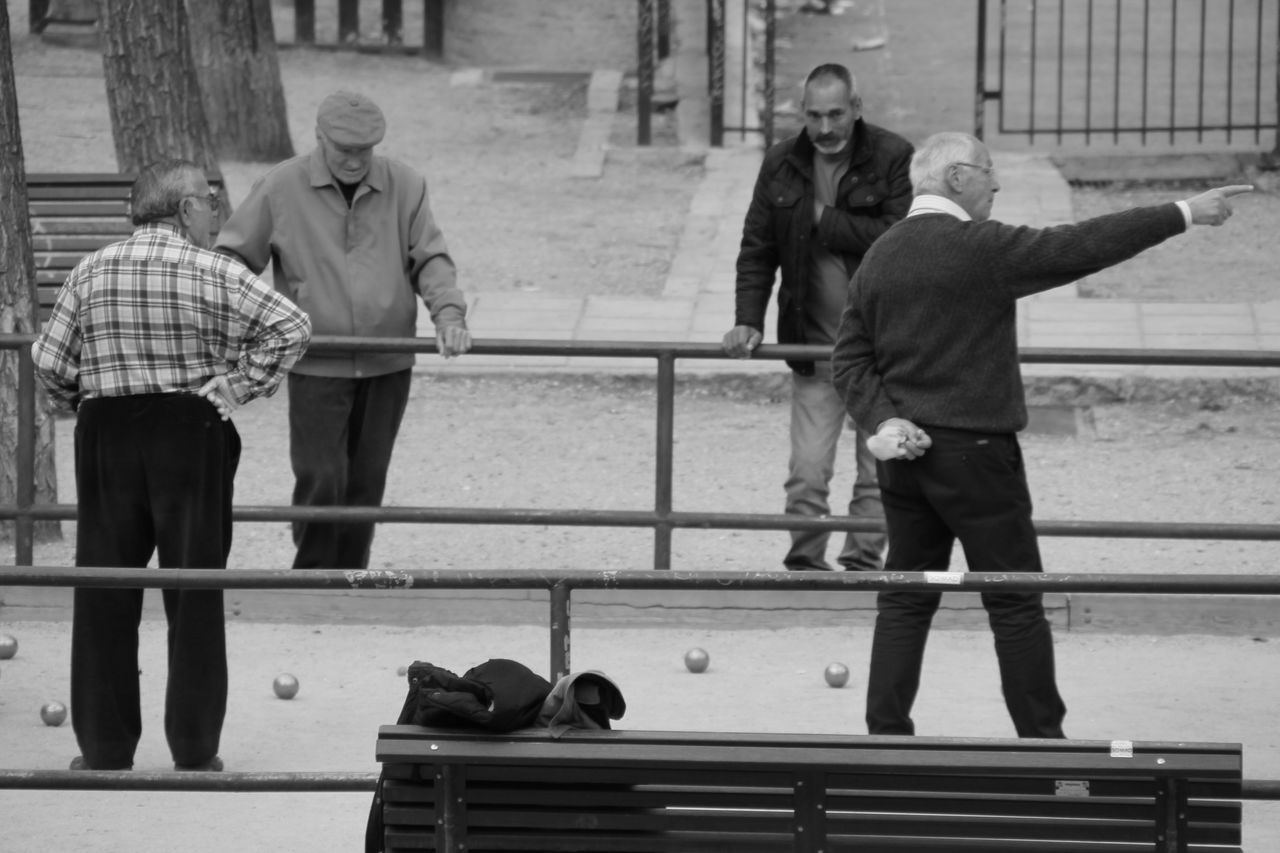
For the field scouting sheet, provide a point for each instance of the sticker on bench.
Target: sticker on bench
(1070, 787)
(1122, 749)
(948, 578)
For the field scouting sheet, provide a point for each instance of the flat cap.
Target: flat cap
(351, 119)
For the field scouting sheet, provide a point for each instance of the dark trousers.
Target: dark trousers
(341, 434)
(972, 487)
(154, 474)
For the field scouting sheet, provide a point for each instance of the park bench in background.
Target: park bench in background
(456, 790)
(73, 214)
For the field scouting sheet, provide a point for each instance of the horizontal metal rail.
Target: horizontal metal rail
(515, 516)
(728, 581)
(663, 519)
(317, 782)
(160, 780)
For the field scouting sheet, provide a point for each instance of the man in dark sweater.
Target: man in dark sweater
(926, 359)
(821, 198)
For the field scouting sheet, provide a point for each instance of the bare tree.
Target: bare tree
(235, 54)
(152, 88)
(18, 300)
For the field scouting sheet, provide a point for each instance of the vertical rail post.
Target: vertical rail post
(24, 524)
(36, 12)
(1088, 79)
(348, 21)
(1062, 29)
(980, 73)
(559, 630)
(664, 28)
(1000, 65)
(715, 69)
(664, 455)
(770, 39)
(644, 70)
(433, 28)
(744, 70)
(1257, 80)
(1173, 70)
(1201, 73)
(1275, 152)
(1115, 91)
(1146, 63)
(304, 21)
(393, 21)
(1231, 70)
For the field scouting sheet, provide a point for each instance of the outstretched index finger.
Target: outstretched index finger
(1236, 189)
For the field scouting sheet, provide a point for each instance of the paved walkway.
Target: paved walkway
(696, 305)
(697, 302)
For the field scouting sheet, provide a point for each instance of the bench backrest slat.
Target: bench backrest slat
(73, 214)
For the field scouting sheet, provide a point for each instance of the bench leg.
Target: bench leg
(451, 808)
(1171, 816)
(809, 823)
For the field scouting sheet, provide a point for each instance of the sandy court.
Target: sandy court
(1192, 687)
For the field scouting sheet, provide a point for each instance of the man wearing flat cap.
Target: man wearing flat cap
(351, 239)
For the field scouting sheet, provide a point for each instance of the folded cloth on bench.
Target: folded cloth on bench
(582, 700)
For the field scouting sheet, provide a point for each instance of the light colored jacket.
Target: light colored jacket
(355, 270)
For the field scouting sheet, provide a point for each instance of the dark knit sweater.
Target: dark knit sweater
(929, 331)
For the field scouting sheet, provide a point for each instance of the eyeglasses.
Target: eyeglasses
(211, 199)
(989, 170)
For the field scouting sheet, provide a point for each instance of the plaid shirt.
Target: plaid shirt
(155, 314)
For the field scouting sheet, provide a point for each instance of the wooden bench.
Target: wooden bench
(453, 790)
(73, 214)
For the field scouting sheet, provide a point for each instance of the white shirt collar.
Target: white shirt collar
(937, 204)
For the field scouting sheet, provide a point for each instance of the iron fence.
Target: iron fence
(717, 67)
(1132, 70)
(393, 32)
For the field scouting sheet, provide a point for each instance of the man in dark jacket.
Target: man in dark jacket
(820, 201)
(927, 356)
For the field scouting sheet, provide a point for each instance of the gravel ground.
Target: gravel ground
(569, 442)
(497, 159)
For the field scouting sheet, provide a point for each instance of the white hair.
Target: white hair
(932, 159)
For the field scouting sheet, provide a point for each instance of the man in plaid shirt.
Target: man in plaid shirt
(153, 342)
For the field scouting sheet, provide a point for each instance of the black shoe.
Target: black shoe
(78, 763)
(213, 765)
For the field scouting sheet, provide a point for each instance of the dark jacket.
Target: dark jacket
(873, 194)
(930, 333)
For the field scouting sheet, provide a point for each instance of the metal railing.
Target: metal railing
(1191, 70)
(391, 28)
(559, 587)
(663, 518)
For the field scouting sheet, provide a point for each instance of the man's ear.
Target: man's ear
(955, 179)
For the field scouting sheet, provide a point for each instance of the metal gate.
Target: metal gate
(732, 22)
(1133, 72)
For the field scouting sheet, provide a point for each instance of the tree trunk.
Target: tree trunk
(152, 89)
(17, 300)
(235, 55)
